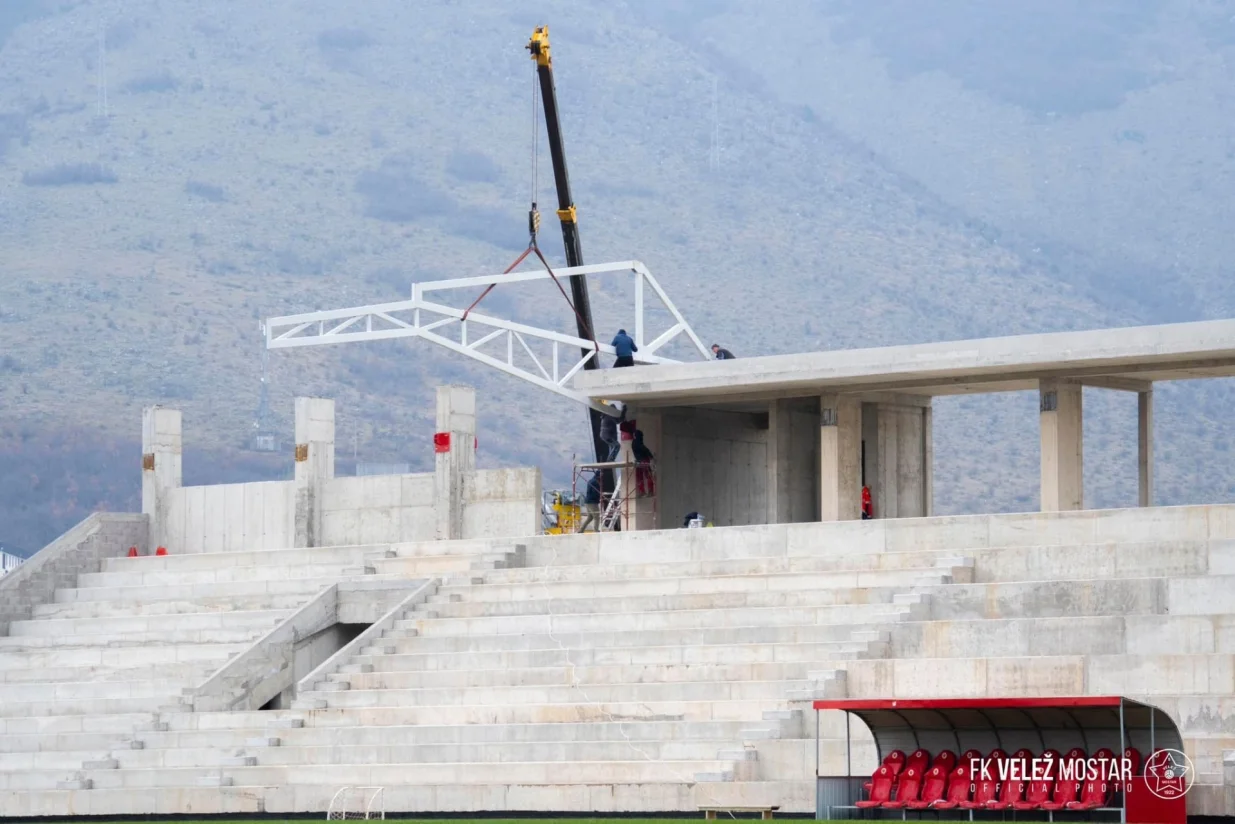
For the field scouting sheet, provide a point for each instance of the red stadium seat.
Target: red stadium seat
(881, 788)
(958, 790)
(945, 759)
(908, 788)
(920, 759)
(1066, 791)
(1132, 756)
(1012, 789)
(1097, 793)
(894, 760)
(985, 788)
(933, 787)
(1039, 791)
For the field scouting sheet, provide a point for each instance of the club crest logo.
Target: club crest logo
(1169, 774)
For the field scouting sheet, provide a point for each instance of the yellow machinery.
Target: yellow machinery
(561, 512)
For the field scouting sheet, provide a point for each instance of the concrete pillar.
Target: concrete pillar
(1145, 447)
(454, 447)
(928, 461)
(840, 458)
(1062, 450)
(161, 468)
(642, 512)
(314, 465)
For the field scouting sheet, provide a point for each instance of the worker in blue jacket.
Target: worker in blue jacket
(624, 345)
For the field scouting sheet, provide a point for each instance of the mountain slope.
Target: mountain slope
(259, 159)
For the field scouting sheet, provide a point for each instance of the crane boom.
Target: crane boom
(539, 48)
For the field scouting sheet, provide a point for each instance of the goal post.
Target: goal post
(357, 803)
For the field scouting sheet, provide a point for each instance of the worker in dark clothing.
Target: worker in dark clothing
(721, 354)
(624, 345)
(591, 503)
(609, 434)
(642, 453)
(690, 516)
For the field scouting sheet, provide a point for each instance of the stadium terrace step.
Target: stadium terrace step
(1075, 635)
(576, 675)
(108, 654)
(590, 711)
(680, 576)
(617, 622)
(116, 608)
(582, 656)
(141, 594)
(273, 558)
(86, 706)
(531, 605)
(140, 623)
(153, 638)
(378, 753)
(433, 564)
(407, 641)
(68, 690)
(705, 691)
(461, 773)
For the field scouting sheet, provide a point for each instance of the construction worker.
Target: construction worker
(591, 503)
(624, 345)
(644, 484)
(609, 434)
(868, 509)
(721, 354)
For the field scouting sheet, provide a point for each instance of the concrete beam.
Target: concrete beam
(840, 458)
(1118, 384)
(1180, 350)
(1061, 422)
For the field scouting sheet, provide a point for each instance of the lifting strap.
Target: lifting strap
(533, 247)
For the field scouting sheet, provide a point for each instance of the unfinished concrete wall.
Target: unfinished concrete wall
(501, 503)
(715, 463)
(230, 517)
(378, 509)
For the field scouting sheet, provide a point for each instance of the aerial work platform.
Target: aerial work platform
(790, 438)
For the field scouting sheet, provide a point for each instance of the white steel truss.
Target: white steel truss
(502, 344)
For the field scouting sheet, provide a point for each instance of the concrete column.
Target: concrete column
(1062, 450)
(314, 465)
(454, 447)
(1145, 447)
(642, 512)
(840, 458)
(161, 468)
(928, 460)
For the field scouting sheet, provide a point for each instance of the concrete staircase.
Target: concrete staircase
(91, 674)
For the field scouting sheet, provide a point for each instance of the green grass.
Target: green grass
(528, 820)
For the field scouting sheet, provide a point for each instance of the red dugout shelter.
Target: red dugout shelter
(1104, 757)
